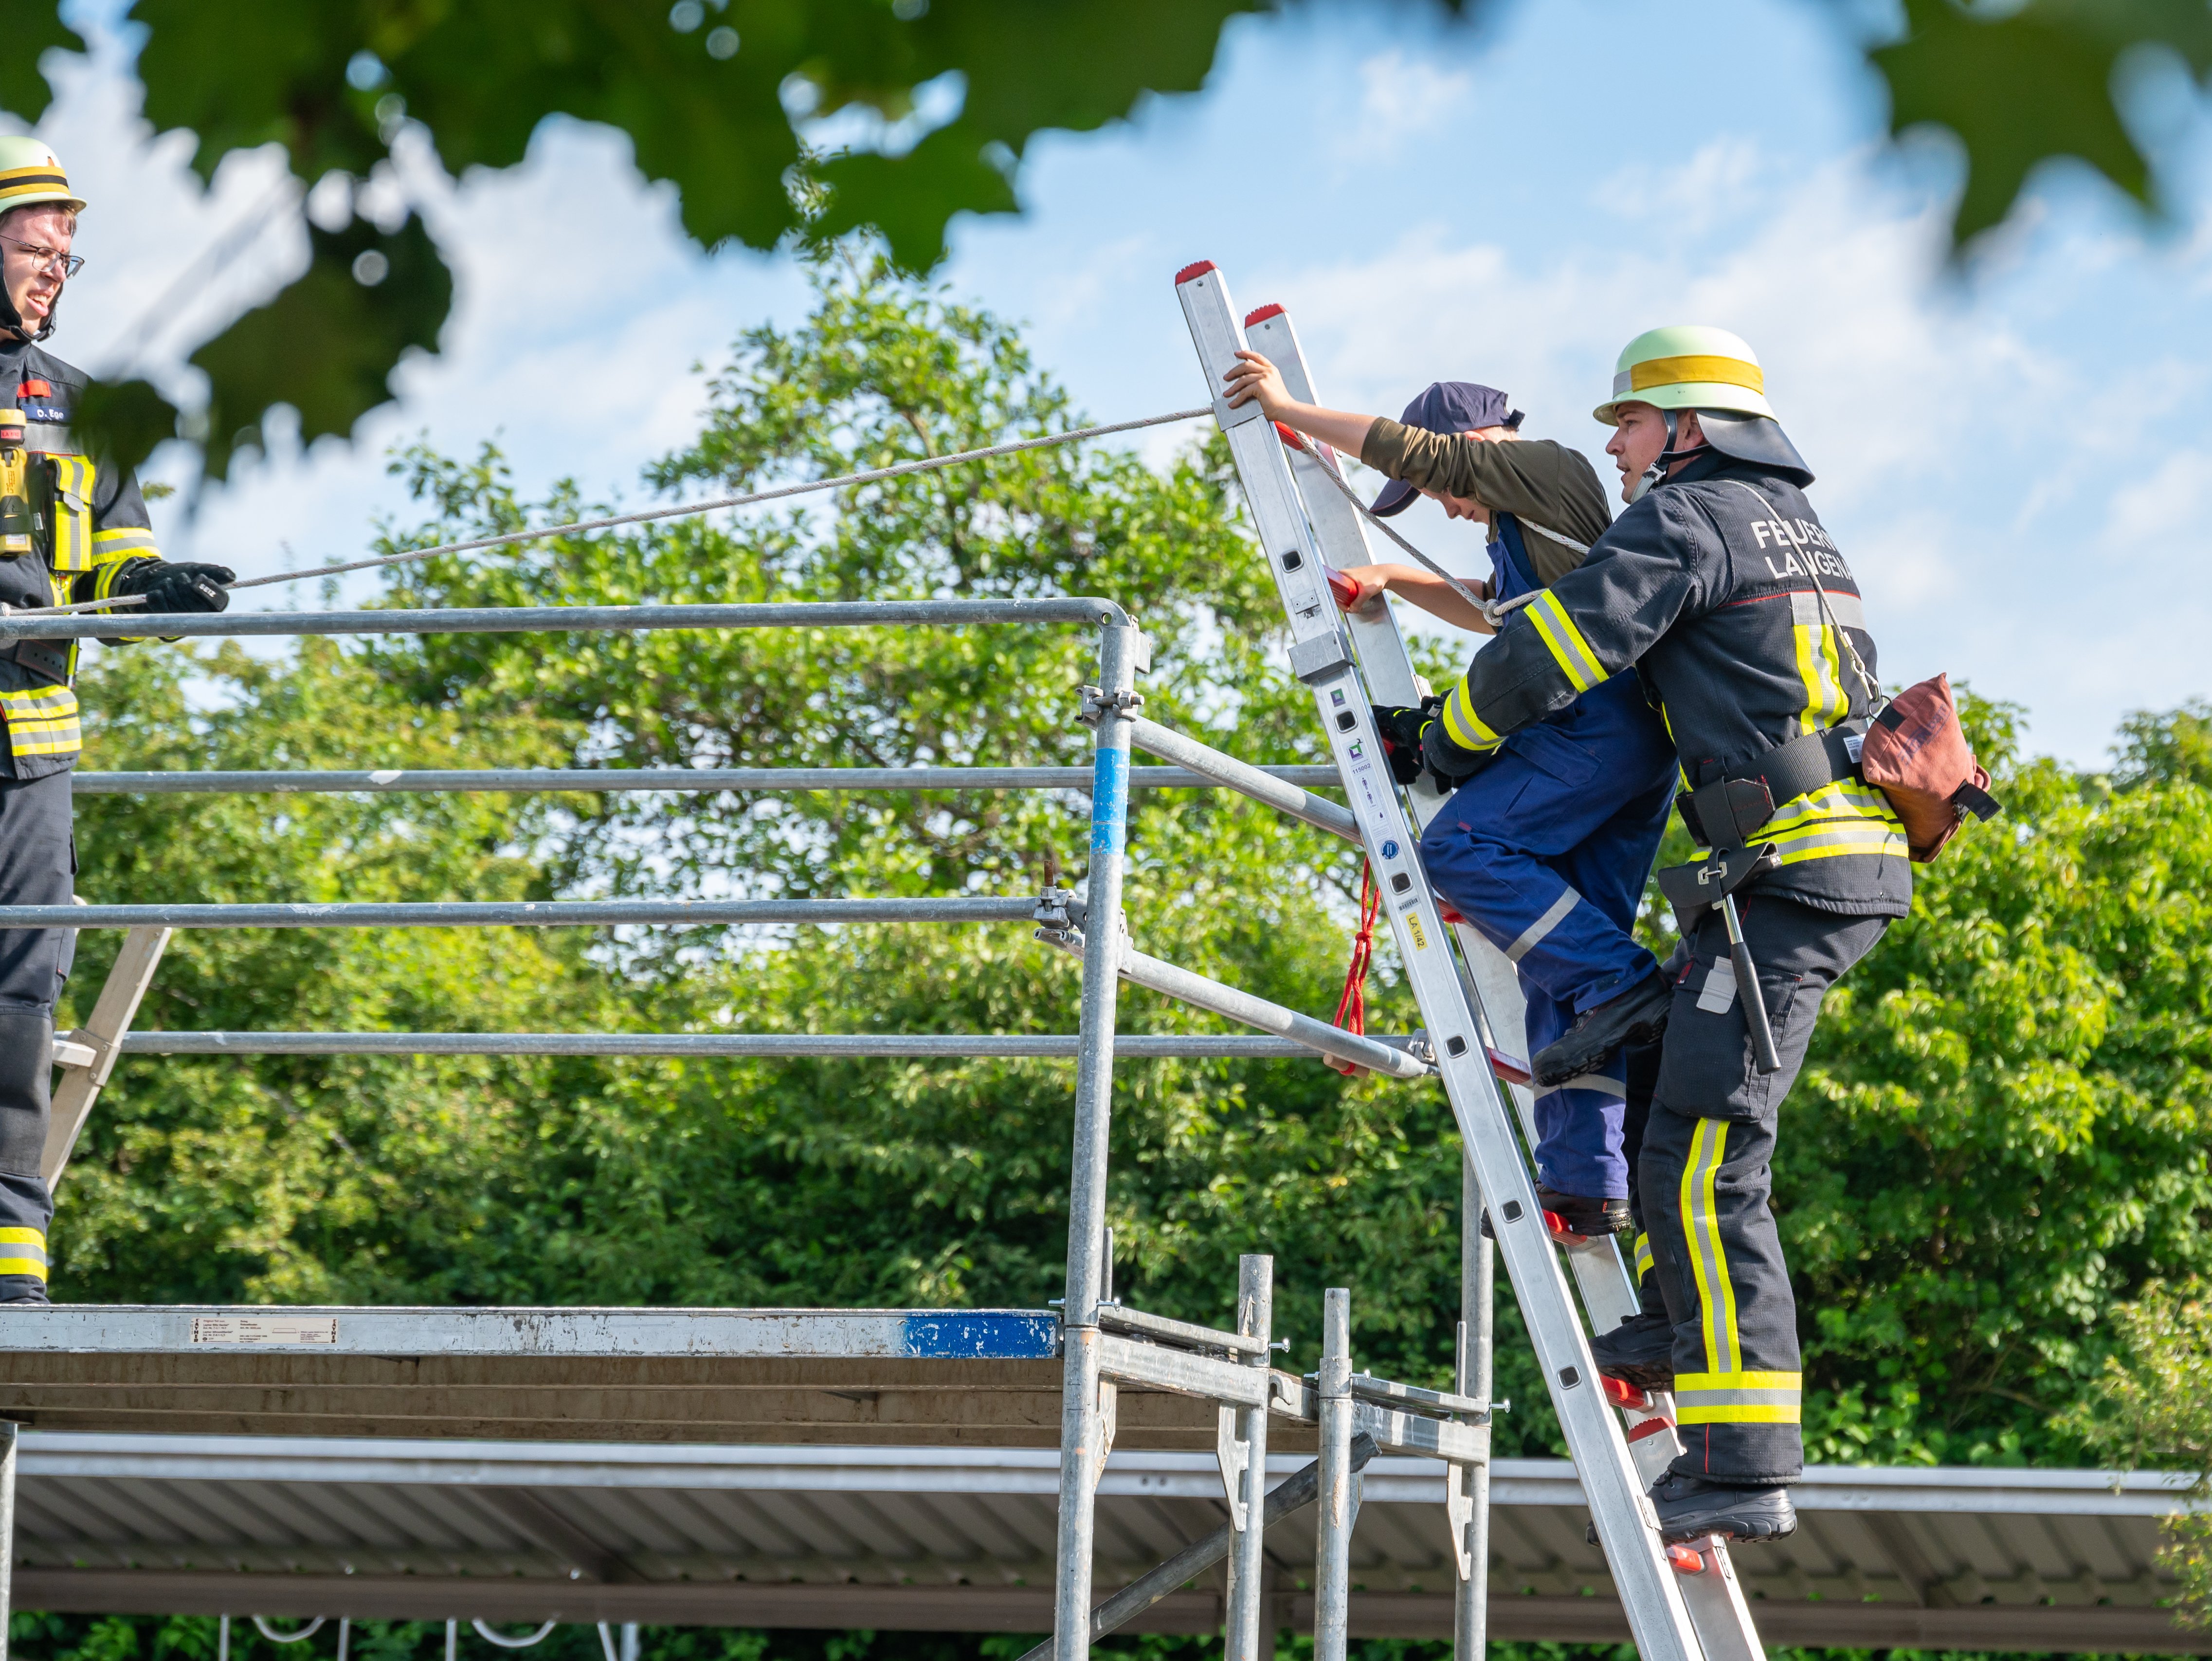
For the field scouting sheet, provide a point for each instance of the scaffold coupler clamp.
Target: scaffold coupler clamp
(1059, 917)
(1095, 703)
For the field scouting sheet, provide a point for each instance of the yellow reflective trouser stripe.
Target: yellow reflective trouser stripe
(1737, 1398)
(1564, 642)
(42, 721)
(1463, 726)
(1642, 1256)
(22, 1251)
(1701, 1225)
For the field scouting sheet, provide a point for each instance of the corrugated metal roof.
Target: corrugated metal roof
(962, 1539)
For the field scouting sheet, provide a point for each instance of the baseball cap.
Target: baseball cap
(1448, 406)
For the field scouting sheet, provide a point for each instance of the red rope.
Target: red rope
(1351, 1007)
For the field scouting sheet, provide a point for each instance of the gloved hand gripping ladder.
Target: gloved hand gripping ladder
(1650, 1590)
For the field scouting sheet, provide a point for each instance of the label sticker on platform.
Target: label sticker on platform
(264, 1330)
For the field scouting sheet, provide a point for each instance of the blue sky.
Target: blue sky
(2015, 459)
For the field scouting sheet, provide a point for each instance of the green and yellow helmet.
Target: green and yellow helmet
(31, 176)
(1688, 367)
(1691, 366)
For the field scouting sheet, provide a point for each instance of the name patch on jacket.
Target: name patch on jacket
(1804, 546)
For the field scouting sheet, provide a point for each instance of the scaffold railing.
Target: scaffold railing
(1105, 1345)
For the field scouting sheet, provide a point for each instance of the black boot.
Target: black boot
(1586, 1217)
(1689, 1506)
(1640, 1351)
(1636, 1016)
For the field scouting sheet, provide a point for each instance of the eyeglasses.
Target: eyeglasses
(49, 259)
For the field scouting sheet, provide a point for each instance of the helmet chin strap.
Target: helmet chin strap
(1656, 472)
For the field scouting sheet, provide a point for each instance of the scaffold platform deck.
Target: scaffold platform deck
(986, 1377)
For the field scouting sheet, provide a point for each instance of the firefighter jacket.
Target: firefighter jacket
(89, 528)
(1706, 587)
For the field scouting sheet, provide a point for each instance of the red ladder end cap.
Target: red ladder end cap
(1342, 587)
(1686, 1559)
(1261, 314)
(1198, 269)
(1561, 1232)
(1638, 1431)
(1622, 1394)
(1291, 440)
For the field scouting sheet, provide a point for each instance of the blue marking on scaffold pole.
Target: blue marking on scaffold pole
(1109, 801)
(996, 1335)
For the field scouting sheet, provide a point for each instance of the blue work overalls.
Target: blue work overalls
(1547, 851)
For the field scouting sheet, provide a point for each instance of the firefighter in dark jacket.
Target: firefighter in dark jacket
(89, 539)
(1744, 623)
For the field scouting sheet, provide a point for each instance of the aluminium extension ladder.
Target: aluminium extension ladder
(1684, 1602)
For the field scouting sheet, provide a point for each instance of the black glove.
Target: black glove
(1401, 726)
(183, 587)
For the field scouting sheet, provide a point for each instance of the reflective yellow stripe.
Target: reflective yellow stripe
(1843, 818)
(22, 1251)
(1821, 671)
(1701, 1225)
(1693, 367)
(1738, 1398)
(1564, 642)
(42, 720)
(1463, 726)
(72, 478)
(118, 540)
(1642, 1256)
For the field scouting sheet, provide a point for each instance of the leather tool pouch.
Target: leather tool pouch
(1917, 755)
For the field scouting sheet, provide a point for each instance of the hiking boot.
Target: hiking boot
(1640, 1351)
(1585, 1217)
(1636, 1016)
(1689, 1506)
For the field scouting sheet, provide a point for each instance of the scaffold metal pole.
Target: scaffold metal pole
(1478, 1274)
(517, 913)
(555, 619)
(1248, 1557)
(694, 780)
(1334, 1516)
(1083, 1431)
(7, 1530)
(824, 1046)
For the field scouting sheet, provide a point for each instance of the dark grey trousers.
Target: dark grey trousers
(1704, 1177)
(37, 868)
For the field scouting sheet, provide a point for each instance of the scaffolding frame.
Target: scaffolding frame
(1104, 1343)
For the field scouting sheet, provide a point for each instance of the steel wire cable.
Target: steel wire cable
(926, 463)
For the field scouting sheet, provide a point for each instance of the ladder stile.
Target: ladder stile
(1649, 1588)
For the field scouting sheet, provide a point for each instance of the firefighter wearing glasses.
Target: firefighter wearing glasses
(1719, 586)
(73, 529)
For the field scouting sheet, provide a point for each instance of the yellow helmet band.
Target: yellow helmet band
(1673, 371)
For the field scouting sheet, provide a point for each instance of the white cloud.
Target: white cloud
(1401, 97)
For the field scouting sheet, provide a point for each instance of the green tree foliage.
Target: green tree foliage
(713, 95)
(2155, 1408)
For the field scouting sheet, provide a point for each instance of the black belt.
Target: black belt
(1732, 809)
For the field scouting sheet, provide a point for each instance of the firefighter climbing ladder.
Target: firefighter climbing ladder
(1681, 1601)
